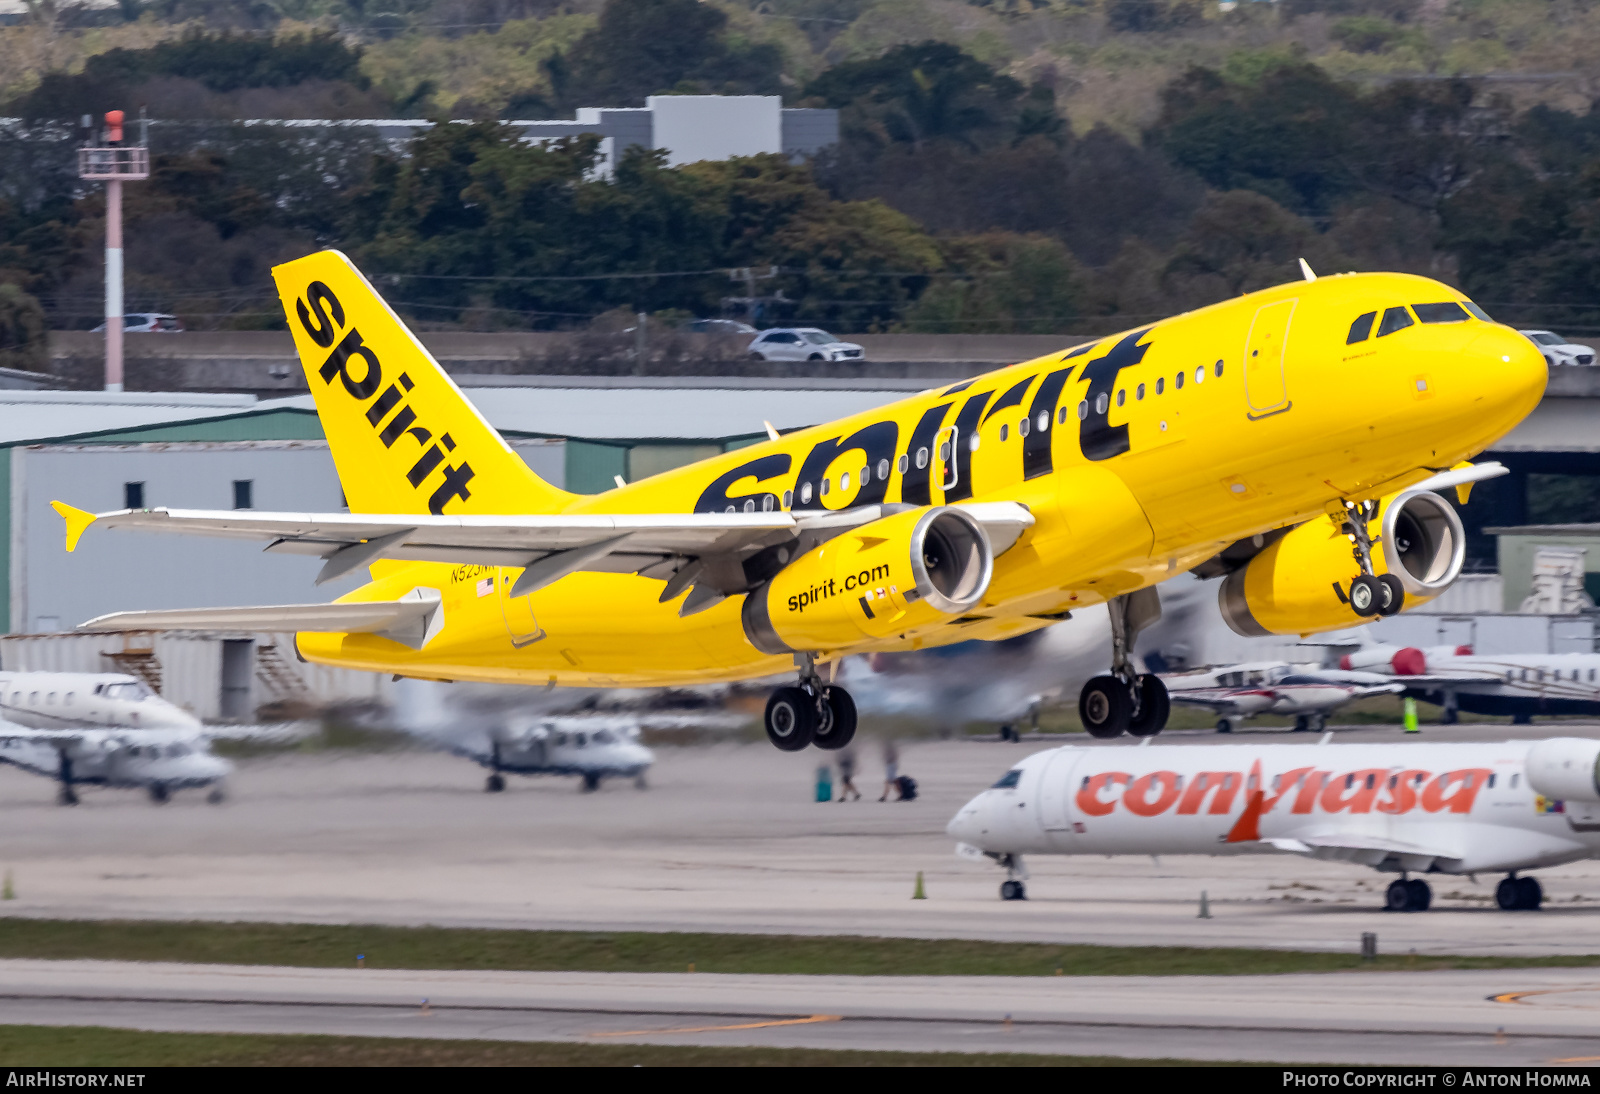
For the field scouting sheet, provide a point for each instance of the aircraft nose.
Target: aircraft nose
(1512, 376)
(968, 824)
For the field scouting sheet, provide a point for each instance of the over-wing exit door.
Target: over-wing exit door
(1265, 386)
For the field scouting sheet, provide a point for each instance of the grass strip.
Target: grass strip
(382, 947)
(99, 1046)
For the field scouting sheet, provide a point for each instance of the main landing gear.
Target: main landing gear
(1370, 594)
(1519, 894)
(1125, 701)
(1408, 896)
(810, 712)
(66, 795)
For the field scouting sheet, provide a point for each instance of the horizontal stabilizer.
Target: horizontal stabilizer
(411, 620)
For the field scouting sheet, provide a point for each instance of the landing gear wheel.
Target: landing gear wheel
(1302, 724)
(791, 719)
(159, 794)
(1397, 898)
(66, 796)
(1013, 890)
(216, 796)
(591, 782)
(494, 783)
(1154, 707)
(1224, 725)
(1505, 895)
(1394, 595)
(841, 720)
(1530, 894)
(1366, 595)
(1421, 894)
(1104, 706)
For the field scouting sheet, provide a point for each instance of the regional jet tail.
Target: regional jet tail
(1414, 808)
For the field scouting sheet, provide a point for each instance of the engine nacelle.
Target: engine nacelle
(1565, 768)
(904, 573)
(1289, 587)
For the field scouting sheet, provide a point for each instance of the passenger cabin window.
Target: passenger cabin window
(1010, 779)
(1448, 312)
(1361, 329)
(1394, 319)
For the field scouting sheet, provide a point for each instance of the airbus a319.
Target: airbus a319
(1279, 434)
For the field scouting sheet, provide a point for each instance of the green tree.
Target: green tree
(23, 332)
(1002, 282)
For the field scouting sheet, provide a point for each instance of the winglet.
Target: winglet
(1247, 829)
(77, 522)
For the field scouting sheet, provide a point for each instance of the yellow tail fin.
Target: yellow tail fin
(403, 437)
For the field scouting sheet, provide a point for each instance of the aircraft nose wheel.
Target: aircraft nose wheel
(1013, 890)
(791, 718)
(66, 796)
(1366, 595)
(159, 794)
(494, 783)
(1519, 894)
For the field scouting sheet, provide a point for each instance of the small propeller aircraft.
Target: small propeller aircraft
(158, 761)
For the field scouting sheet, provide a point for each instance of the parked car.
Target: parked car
(802, 344)
(1557, 350)
(717, 326)
(149, 322)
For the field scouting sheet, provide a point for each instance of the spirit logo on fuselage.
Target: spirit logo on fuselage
(322, 317)
(939, 452)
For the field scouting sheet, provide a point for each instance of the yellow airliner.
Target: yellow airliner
(1277, 441)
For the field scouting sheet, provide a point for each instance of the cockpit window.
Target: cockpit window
(1394, 319)
(1361, 329)
(1476, 311)
(1009, 780)
(1447, 312)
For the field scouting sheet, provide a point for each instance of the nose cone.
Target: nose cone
(641, 755)
(969, 825)
(1509, 374)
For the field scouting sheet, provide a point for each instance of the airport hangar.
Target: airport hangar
(102, 451)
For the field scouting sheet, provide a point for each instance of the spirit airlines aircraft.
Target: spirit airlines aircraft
(1398, 808)
(1280, 435)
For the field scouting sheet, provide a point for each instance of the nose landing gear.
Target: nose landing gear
(1125, 701)
(1370, 594)
(810, 713)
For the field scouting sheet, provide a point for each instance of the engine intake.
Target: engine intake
(1565, 768)
(904, 573)
(1289, 588)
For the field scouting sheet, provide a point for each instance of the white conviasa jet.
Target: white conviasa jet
(1408, 809)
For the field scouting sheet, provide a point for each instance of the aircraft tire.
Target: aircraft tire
(1421, 895)
(216, 796)
(591, 782)
(494, 783)
(1394, 598)
(791, 719)
(1155, 705)
(1104, 706)
(66, 796)
(839, 730)
(159, 794)
(1530, 894)
(1013, 890)
(1366, 595)
(1398, 897)
(1224, 725)
(1508, 895)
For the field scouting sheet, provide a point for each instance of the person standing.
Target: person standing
(847, 775)
(891, 771)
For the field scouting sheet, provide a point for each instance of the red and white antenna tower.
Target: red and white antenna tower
(114, 163)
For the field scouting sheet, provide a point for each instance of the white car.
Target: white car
(149, 322)
(1557, 350)
(802, 344)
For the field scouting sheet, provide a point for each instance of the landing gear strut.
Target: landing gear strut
(496, 782)
(810, 712)
(1519, 894)
(1408, 896)
(1370, 594)
(1125, 701)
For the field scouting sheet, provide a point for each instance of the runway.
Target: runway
(1443, 1018)
(728, 838)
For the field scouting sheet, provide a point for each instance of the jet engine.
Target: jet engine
(902, 573)
(1565, 769)
(1298, 583)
